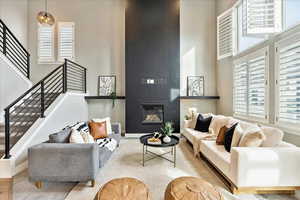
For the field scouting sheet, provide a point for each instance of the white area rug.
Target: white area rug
(126, 162)
(157, 173)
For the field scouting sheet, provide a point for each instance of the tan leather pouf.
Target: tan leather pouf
(124, 189)
(191, 188)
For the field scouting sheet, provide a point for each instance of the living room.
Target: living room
(149, 99)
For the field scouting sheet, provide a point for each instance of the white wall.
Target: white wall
(12, 84)
(14, 14)
(68, 109)
(100, 46)
(198, 51)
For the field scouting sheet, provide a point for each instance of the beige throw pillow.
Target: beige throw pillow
(252, 139)
(273, 136)
(87, 138)
(76, 137)
(238, 133)
(218, 121)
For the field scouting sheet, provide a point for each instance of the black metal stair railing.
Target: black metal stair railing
(14, 50)
(29, 107)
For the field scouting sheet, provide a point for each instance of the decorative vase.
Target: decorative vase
(167, 139)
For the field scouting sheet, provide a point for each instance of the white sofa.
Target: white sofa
(269, 168)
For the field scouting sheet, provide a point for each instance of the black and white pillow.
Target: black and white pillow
(80, 127)
(108, 143)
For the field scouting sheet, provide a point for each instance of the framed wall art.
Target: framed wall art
(195, 86)
(106, 85)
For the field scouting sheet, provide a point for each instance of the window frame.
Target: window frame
(52, 60)
(233, 33)
(284, 42)
(245, 59)
(59, 25)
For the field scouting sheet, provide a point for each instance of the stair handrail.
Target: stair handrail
(14, 50)
(58, 81)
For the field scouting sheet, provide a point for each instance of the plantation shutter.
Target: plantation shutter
(288, 83)
(262, 16)
(240, 89)
(225, 34)
(257, 87)
(45, 44)
(66, 46)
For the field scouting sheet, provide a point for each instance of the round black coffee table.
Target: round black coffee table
(172, 144)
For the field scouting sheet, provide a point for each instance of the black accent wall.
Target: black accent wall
(152, 61)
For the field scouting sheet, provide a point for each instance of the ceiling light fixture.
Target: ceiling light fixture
(44, 17)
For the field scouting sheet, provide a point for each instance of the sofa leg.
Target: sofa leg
(39, 184)
(93, 182)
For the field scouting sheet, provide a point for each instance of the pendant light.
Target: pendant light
(44, 17)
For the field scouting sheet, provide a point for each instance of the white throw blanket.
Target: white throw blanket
(108, 143)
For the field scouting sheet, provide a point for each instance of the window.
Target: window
(225, 33)
(288, 83)
(251, 86)
(245, 41)
(262, 16)
(45, 44)
(291, 13)
(66, 41)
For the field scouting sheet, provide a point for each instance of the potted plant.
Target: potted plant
(167, 131)
(113, 96)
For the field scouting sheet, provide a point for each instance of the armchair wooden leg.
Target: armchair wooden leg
(93, 182)
(39, 184)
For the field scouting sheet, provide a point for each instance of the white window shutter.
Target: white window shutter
(257, 89)
(288, 83)
(240, 96)
(66, 41)
(225, 34)
(250, 93)
(262, 16)
(45, 44)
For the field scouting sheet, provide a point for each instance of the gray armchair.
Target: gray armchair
(65, 162)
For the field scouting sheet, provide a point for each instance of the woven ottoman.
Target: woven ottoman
(191, 188)
(124, 189)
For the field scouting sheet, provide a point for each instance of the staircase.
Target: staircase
(22, 113)
(31, 106)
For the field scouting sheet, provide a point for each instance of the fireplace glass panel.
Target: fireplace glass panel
(152, 114)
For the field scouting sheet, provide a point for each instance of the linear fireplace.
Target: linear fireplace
(152, 114)
(152, 65)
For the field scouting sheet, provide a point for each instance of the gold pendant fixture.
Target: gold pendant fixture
(44, 17)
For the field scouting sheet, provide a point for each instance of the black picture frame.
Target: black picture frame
(109, 89)
(198, 89)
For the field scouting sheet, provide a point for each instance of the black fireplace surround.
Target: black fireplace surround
(152, 65)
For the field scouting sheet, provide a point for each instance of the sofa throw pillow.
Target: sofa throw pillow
(228, 137)
(217, 122)
(62, 136)
(221, 135)
(202, 124)
(76, 137)
(237, 135)
(194, 120)
(253, 137)
(274, 136)
(87, 138)
(108, 124)
(98, 130)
